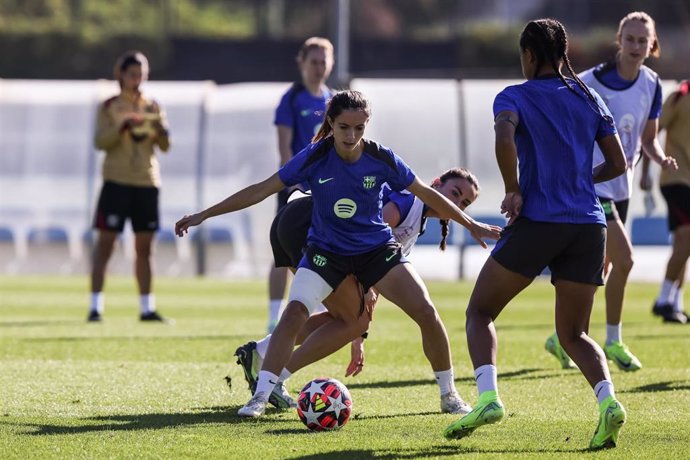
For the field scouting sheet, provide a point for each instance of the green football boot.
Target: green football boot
(611, 419)
(619, 354)
(489, 409)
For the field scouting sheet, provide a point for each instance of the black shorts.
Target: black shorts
(368, 268)
(573, 252)
(289, 232)
(677, 198)
(118, 202)
(615, 210)
(283, 196)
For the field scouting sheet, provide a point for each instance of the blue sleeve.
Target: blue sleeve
(402, 177)
(284, 113)
(655, 112)
(503, 102)
(403, 200)
(607, 125)
(293, 172)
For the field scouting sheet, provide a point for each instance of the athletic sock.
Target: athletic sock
(614, 332)
(97, 302)
(678, 300)
(262, 346)
(275, 307)
(446, 381)
(265, 383)
(147, 302)
(486, 378)
(667, 293)
(284, 375)
(603, 390)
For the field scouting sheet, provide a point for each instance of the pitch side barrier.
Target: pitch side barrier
(223, 139)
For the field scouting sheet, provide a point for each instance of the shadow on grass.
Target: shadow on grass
(42, 323)
(135, 422)
(522, 374)
(439, 450)
(133, 338)
(675, 336)
(660, 386)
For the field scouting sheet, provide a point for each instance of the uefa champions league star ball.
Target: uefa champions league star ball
(324, 404)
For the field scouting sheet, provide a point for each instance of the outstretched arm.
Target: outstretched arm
(240, 200)
(447, 210)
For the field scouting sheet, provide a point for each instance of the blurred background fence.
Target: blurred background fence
(223, 140)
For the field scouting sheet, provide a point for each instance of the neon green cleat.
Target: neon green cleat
(619, 354)
(554, 347)
(489, 409)
(611, 419)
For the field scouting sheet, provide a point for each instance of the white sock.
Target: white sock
(97, 302)
(678, 301)
(284, 375)
(614, 332)
(486, 378)
(147, 302)
(262, 346)
(603, 390)
(668, 291)
(265, 383)
(446, 381)
(275, 307)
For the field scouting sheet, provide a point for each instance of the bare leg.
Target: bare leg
(675, 269)
(277, 281)
(101, 255)
(283, 338)
(573, 310)
(495, 287)
(143, 265)
(619, 252)
(403, 286)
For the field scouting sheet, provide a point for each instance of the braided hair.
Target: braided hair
(549, 42)
(455, 173)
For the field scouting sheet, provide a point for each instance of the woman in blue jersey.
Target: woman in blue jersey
(347, 235)
(632, 93)
(297, 117)
(546, 128)
(325, 333)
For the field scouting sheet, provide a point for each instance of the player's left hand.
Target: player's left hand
(669, 163)
(646, 182)
(511, 206)
(356, 357)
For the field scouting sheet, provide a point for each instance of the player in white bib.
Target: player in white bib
(632, 93)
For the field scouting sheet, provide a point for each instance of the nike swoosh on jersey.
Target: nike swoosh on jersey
(323, 181)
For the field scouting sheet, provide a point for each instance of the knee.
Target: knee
(294, 316)
(427, 315)
(626, 264)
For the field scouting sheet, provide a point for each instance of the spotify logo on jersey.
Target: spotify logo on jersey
(345, 208)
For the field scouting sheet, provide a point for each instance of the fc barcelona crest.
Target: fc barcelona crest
(369, 181)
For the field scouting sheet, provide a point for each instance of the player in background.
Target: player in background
(298, 116)
(130, 128)
(632, 93)
(545, 127)
(675, 187)
(347, 235)
(344, 321)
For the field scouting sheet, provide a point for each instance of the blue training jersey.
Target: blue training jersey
(347, 217)
(303, 112)
(555, 138)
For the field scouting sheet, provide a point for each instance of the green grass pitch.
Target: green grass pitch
(122, 389)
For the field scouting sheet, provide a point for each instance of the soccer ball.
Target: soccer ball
(324, 404)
